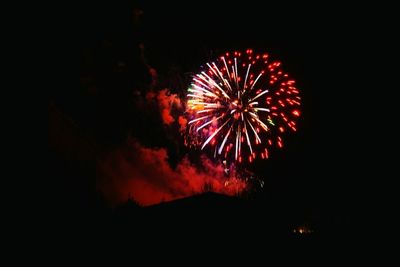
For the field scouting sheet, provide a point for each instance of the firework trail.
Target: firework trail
(240, 106)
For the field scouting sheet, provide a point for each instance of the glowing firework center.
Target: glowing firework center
(240, 106)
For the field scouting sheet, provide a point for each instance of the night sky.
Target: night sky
(107, 113)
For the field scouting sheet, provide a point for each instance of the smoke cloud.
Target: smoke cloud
(166, 103)
(146, 174)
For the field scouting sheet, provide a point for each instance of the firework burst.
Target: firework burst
(240, 106)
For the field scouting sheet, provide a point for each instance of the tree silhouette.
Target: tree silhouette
(207, 187)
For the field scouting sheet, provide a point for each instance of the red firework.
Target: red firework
(241, 105)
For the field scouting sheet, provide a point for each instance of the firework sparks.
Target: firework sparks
(241, 98)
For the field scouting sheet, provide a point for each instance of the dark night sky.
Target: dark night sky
(318, 45)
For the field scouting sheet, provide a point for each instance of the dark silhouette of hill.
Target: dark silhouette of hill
(211, 215)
